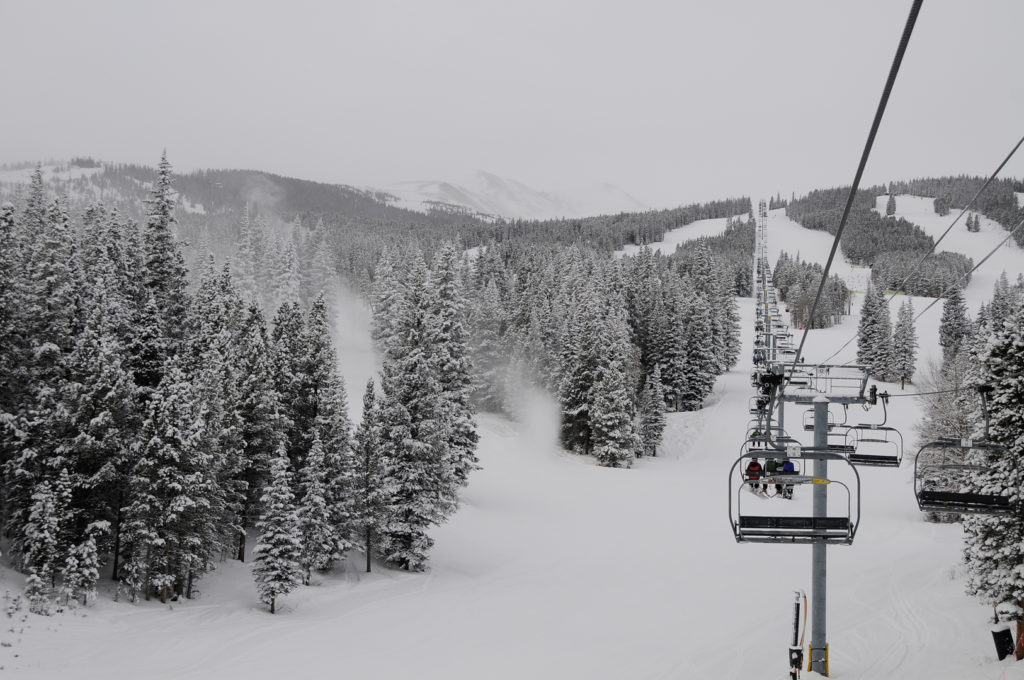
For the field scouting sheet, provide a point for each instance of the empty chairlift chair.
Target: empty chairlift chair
(966, 476)
(875, 445)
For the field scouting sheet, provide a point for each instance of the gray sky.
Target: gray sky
(672, 101)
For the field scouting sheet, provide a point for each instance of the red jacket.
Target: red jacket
(754, 470)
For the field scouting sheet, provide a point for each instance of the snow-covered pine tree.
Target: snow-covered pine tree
(452, 362)
(371, 498)
(171, 491)
(904, 343)
(98, 416)
(413, 438)
(579, 359)
(611, 414)
(882, 366)
(488, 349)
(323, 413)
(384, 297)
(318, 536)
(730, 320)
(165, 275)
(652, 423)
(994, 545)
(81, 571)
(277, 552)
(261, 429)
(701, 363)
(874, 334)
(289, 356)
(890, 206)
(44, 545)
(954, 327)
(867, 329)
(671, 337)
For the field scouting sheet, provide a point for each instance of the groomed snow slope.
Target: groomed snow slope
(555, 568)
(675, 237)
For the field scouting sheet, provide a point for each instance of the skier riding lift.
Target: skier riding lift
(754, 473)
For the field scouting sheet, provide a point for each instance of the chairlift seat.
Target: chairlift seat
(953, 501)
(757, 528)
(871, 460)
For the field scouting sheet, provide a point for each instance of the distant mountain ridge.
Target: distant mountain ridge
(482, 197)
(491, 196)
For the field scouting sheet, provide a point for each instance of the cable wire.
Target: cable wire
(935, 245)
(957, 283)
(908, 29)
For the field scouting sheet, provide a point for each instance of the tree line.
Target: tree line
(797, 283)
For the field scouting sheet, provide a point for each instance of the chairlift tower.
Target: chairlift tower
(819, 386)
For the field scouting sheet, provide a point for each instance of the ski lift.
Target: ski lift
(875, 444)
(758, 404)
(944, 477)
(777, 525)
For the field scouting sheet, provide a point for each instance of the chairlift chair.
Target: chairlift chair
(943, 471)
(875, 445)
(775, 527)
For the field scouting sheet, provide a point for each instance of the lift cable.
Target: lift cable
(893, 71)
(917, 267)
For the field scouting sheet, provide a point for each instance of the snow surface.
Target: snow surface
(556, 568)
(1009, 258)
(680, 235)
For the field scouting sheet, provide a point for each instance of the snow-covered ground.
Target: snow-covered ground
(556, 568)
(1009, 258)
(675, 237)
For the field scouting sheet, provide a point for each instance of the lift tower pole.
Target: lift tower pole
(819, 597)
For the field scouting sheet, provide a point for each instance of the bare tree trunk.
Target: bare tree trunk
(167, 573)
(369, 533)
(241, 546)
(272, 604)
(1018, 651)
(117, 536)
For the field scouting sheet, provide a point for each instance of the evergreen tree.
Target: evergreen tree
(318, 536)
(414, 439)
(452, 363)
(488, 349)
(171, 491)
(994, 545)
(370, 495)
(322, 414)
(164, 265)
(904, 343)
(954, 327)
(611, 414)
(890, 206)
(701, 363)
(261, 429)
(652, 423)
(277, 553)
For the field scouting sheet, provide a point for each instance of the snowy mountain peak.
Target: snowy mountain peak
(492, 196)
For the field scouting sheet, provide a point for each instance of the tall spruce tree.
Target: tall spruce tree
(165, 276)
(954, 327)
(277, 553)
(452, 362)
(994, 545)
(651, 414)
(904, 343)
(370, 495)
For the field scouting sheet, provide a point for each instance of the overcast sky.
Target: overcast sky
(672, 101)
